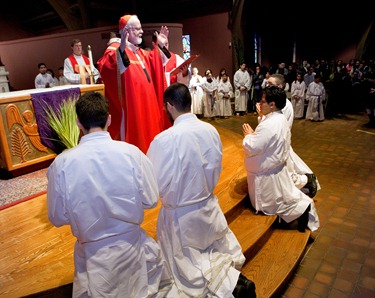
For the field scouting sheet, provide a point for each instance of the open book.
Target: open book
(181, 66)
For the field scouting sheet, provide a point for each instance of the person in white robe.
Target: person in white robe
(242, 83)
(271, 188)
(315, 95)
(221, 73)
(43, 78)
(76, 59)
(302, 175)
(202, 253)
(196, 92)
(210, 95)
(51, 72)
(265, 80)
(100, 188)
(308, 77)
(225, 92)
(61, 78)
(298, 96)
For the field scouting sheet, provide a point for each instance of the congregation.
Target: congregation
(317, 90)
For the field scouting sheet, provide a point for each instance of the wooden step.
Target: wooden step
(231, 189)
(252, 231)
(274, 264)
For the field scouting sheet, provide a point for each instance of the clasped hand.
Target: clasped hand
(246, 129)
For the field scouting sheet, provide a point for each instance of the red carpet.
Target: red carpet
(20, 189)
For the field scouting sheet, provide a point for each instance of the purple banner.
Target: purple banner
(54, 99)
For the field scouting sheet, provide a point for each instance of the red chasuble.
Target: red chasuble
(109, 72)
(160, 83)
(74, 62)
(140, 99)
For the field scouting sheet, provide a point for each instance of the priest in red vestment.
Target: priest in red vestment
(77, 58)
(170, 62)
(183, 76)
(134, 82)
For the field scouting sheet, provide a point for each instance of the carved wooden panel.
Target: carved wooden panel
(20, 140)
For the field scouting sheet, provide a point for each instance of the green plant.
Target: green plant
(63, 122)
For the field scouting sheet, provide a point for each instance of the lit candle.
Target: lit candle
(90, 58)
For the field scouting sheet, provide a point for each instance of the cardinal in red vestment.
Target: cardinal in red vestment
(134, 82)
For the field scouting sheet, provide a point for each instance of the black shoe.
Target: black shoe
(248, 284)
(239, 291)
(369, 125)
(303, 220)
(311, 185)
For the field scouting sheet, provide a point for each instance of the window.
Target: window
(186, 46)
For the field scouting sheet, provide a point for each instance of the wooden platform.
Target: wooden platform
(37, 258)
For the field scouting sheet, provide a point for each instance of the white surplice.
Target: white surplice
(270, 185)
(241, 79)
(203, 254)
(224, 106)
(298, 89)
(196, 92)
(42, 79)
(315, 95)
(210, 97)
(101, 188)
(296, 166)
(72, 76)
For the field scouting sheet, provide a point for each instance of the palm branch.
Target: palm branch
(63, 122)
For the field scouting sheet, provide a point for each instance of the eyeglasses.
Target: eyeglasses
(135, 28)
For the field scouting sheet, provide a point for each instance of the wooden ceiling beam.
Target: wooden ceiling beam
(62, 8)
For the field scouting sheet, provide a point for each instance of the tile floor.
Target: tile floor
(341, 260)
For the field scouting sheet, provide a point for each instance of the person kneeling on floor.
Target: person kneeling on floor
(271, 188)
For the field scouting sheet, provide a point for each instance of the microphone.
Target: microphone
(165, 51)
(124, 58)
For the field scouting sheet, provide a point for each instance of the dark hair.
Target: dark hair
(224, 72)
(74, 41)
(92, 110)
(178, 95)
(208, 69)
(51, 71)
(41, 64)
(276, 95)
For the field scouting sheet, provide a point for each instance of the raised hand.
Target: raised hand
(162, 37)
(124, 39)
(165, 31)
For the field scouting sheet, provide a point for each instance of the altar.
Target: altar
(21, 143)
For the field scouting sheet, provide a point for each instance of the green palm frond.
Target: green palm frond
(63, 122)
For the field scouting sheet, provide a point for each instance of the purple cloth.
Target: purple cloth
(54, 99)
